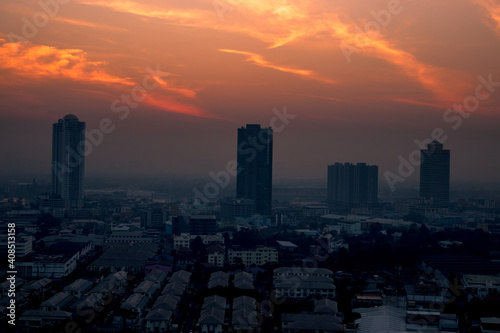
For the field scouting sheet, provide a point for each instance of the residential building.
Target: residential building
(34, 320)
(253, 256)
(255, 165)
(230, 209)
(480, 286)
(315, 210)
(301, 283)
(58, 302)
(68, 160)
(56, 261)
(435, 174)
(212, 314)
(244, 316)
(78, 288)
(216, 255)
(202, 224)
(352, 184)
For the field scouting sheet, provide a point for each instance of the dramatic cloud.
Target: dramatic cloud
(285, 22)
(42, 61)
(35, 63)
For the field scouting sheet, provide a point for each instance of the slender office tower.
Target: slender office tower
(68, 160)
(255, 166)
(435, 174)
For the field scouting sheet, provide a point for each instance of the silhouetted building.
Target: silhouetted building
(255, 166)
(194, 224)
(68, 157)
(352, 184)
(180, 224)
(435, 174)
(154, 218)
(230, 209)
(202, 224)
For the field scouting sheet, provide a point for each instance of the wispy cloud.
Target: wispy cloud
(278, 23)
(87, 24)
(259, 60)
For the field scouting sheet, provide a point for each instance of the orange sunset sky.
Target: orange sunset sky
(365, 79)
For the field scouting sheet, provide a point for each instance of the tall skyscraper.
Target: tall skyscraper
(255, 166)
(352, 184)
(435, 174)
(68, 157)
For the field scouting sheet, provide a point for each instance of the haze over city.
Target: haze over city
(364, 79)
(218, 166)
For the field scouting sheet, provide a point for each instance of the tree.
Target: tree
(198, 247)
(375, 228)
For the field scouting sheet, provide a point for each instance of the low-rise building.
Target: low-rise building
(300, 283)
(182, 240)
(216, 255)
(244, 316)
(480, 286)
(136, 303)
(218, 279)
(56, 261)
(212, 314)
(253, 256)
(490, 324)
(34, 320)
(78, 288)
(243, 280)
(147, 288)
(315, 210)
(158, 321)
(38, 288)
(58, 302)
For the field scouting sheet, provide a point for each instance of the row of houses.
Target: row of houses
(301, 283)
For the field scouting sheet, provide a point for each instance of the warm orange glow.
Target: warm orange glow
(260, 61)
(492, 9)
(285, 22)
(40, 61)
(168, 103)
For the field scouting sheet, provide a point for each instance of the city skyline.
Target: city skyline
(193, 73)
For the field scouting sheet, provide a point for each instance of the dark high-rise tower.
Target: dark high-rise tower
(435, 174)
(68, 157)
(255, 166)
(352, 184)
